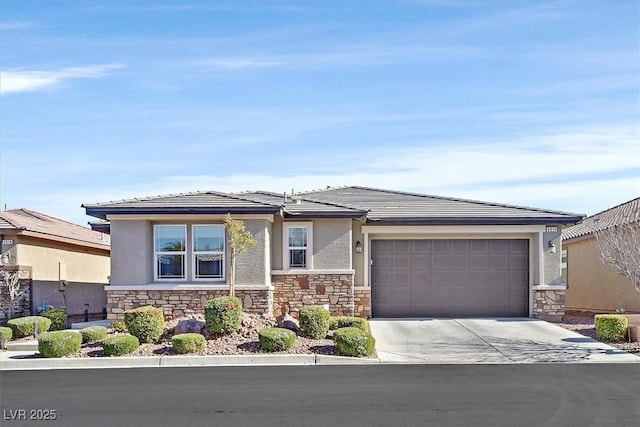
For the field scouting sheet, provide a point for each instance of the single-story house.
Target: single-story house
(591, 284)
(362, 251)
(63, 263)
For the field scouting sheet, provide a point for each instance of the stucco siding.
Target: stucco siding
(131, 252)
(358, 262)
(592, 286)
(331, 244)
(251, 266)
(552, 261)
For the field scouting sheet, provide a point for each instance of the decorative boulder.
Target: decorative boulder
(286, 321)
(190, 326)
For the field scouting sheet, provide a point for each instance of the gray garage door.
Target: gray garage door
(450, 278)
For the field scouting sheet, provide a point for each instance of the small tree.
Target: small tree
(11, 281)
(240, 241)
(619, 248)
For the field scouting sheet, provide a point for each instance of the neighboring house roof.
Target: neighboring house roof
(36, 224)
(374, 205)
(625, 213)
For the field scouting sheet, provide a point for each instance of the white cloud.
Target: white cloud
(30, 81)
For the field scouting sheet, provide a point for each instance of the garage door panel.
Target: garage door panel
(450, 278)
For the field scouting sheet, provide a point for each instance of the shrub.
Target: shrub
(5, 334)
(223, 314)
(276, 339)
(58, 317)
(337, 322)
(120, 345)
(146, 323)
(23, 326)
(314, 321)
(611, 327)
(93, 333)
(353, 342)
(59, 343)
(119, 326)
(188, 343)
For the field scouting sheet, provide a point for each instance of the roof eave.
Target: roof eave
(474, 221)
(102, 212)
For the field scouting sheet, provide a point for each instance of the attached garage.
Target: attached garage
(450, 278)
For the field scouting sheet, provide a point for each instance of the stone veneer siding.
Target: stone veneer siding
(179, 303)
(298, 290)
(22, 305)
(362, 302)
(548, 303)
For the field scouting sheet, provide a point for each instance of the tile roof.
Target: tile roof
(624, 213)
(376, 205)
(23, 221)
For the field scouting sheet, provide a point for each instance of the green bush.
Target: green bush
(188, 343)
(93, 333)
(58, 317)
(59, 343)
(314, 321)
(120, 345)
(146, 323)
(23, 326)
(337, 322)
(353, 342)
(5, 334)
(611, 327)
(119, 326)
(223, 314)
(276, 339)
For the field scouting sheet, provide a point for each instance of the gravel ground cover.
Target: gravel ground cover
(582, 322)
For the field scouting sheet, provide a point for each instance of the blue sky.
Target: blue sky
(528, 103)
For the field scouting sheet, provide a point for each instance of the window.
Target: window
(203, 260)
(169, 248)
(208, 251)
(297, 243)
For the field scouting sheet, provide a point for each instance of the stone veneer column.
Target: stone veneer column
(549, 303)
(299, 290)
(21, 306)
(362, 302)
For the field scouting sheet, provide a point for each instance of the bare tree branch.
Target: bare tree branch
(619, 248)
(12, 282)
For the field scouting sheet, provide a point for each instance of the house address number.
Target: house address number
(7, 242)
(552, 229)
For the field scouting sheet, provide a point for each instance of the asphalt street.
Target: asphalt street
(380, 395)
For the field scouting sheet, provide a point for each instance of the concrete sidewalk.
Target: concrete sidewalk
(500, 340)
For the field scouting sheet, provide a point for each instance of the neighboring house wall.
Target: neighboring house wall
(84, 270)
(592, 286)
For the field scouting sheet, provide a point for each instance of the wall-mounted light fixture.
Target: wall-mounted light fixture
(358, 247)
(552, 247)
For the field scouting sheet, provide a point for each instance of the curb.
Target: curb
(16, 362)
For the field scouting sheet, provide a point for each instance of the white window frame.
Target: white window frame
(157, 253)
(285, 245)
(195, 253)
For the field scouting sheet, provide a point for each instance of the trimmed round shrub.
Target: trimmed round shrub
(611, 327)
(223, 314)
(146, 323)
(353, 342)
(188, 343)
(5, 334)
(93, 334)
(314, 321)
(337, 322)
(59, 343)
(276, 339)
(120, 345)
(24, 326)
(58, 317)
(119, 326)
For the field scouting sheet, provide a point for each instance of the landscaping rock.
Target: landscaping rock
(187, 326)
(286, 321)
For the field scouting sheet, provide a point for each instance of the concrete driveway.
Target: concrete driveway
(500, 340)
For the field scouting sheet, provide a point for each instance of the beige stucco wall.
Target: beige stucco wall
(594, 287)
(132, 253)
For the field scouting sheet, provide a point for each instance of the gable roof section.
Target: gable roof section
(36, 224)
(625, 213)
(396, 207)
(207, 202)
